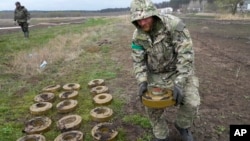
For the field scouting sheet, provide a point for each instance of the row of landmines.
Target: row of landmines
(69, 124)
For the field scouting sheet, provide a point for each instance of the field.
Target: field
(100, 48)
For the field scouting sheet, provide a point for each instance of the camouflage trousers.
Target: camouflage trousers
(24, 26)
(185, 114)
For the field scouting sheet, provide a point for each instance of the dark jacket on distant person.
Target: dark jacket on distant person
(21, 14)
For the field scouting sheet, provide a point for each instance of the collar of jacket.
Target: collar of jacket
(19, 8)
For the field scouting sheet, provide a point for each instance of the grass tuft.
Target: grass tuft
(137, 120)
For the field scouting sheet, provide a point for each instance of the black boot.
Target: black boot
(26, 34)
(186, 134)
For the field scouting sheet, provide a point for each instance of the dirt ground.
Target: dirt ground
(223, 66)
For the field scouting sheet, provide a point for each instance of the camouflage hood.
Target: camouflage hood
(141, 9)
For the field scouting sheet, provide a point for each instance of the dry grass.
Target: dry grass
(232, 17)
(66, 48)
(63, 48)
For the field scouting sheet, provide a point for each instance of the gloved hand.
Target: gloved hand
(143, 87)
(14, 23)
(28, 21)
(178, 94)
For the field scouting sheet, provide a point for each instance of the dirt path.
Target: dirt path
(6, 27)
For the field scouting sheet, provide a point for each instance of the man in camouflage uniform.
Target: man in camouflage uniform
(22, 17)
(163, 58)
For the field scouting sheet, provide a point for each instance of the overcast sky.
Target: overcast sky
(67, 4)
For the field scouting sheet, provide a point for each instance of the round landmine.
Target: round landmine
(51, 88)
(45, 97)
(103, 99)
(68, 95)
(104, 132)
(71, 86)
(70, 122)
(96, 82)
(40, 108)
(37, 125)
(70, 136)
(158, 101)
(101, 114)
(66, 106)
(33, 137)
(99, 89)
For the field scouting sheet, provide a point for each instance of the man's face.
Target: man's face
(17, 5)
(146, 24)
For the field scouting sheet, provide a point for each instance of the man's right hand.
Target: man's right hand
(143, 87)
(14, 22)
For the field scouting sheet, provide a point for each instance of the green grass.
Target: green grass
(220, 129)
(137, 120)
(17, 90)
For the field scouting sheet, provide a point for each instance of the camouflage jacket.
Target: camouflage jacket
(21, 14)
(167, 49)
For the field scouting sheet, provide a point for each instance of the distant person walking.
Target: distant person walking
(22, 17)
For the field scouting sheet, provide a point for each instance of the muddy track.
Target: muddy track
(220, 53)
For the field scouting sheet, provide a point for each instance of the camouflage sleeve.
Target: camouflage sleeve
(139, 63)
(185, 57)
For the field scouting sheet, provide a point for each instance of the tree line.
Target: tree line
(230, 5)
